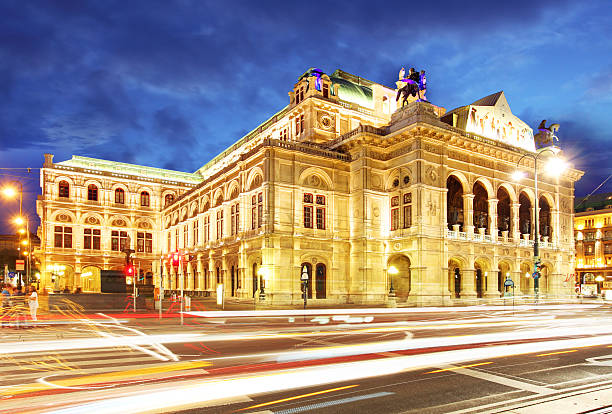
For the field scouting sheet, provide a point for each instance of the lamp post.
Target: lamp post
(392, 271)
(262, 277)
(11, 192)
(555, 167)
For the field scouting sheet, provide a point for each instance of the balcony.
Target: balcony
(487, 238)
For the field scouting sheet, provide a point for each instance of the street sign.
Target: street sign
(11, 274)
(508, 281)
(19, 264)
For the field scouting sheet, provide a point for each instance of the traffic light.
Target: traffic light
(129, 270)
(176, 257)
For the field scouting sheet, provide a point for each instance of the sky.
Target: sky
(171, 84)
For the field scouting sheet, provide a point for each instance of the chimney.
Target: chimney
(48, 161)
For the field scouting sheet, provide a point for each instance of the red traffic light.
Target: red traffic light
(176, 257)
(129, 270)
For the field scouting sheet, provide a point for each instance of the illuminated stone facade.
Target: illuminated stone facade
(344, 185)
(593, 232)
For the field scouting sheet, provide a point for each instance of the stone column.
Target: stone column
(493, 218)
(468, 214)
(555, 226)
(468, 283)
(491, 284)
(200, 267)
(514, 218)
(190, 277)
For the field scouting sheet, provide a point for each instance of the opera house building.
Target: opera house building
(343, 185)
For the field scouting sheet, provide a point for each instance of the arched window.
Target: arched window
(321, 281)
(119, 196)
(145, 200)
(168, 199)
(92, 192)
(64, 189)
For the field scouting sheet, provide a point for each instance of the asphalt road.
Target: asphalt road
(531, 360)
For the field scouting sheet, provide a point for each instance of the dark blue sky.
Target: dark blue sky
(172, 83)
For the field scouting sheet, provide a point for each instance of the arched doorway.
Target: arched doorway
(524, 214)
(398, 272)
(454, 203)
(254, 279)
(479, 282)
(454, 278)
(502, 273)
(544, 218)
(233, 281)
(504, 222)
(309, 272)
(481, 207)
(90, 279)
(321, 281)
(526, 279)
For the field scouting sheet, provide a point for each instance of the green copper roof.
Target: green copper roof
(131, 169)
(353, 88)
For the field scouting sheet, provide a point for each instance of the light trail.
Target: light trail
(299, 396)
(383, 311)
(199, 392)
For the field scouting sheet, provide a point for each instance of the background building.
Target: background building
(593, 232)
(342, 185)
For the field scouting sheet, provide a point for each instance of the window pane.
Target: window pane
(320, 200)
(321, 218)
(308, 217)
(307, 198)
(407, 216)
(68, 241)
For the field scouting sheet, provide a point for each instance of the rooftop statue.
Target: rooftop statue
(415, 84)
(546, 135)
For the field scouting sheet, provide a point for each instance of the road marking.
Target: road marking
(461, 367)
(299, 396)
(332, 403)
(557, 353)
(74, 382)
(537, 389)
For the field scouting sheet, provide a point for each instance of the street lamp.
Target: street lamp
(554, 166)
(11, 192)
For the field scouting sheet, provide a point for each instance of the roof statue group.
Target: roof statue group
(415, 84)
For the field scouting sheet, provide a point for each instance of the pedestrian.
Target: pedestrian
(19, 307)
(33, 301)
(6, 295)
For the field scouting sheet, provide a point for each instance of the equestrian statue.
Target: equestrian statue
(415, 84)
(546, 135)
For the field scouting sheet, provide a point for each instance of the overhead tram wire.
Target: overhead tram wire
(591, 193)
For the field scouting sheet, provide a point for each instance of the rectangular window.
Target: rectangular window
(206, 229)
(144, 242)
(140, 242)
(115, 240)
(169, 241)
(325, 90)
(407, 216)
(259, 209)
(284, 134)
(97, 237)
(63, 237)
(196, 230)
(235, 219)
(320, 218)
(308, 217)
(123, 240)
(254, 212)
(219, 224)
(394, 218)
(91, 239)
(185, 235)
(87, 239)
(148, 243)
(299, 124)
(407, 210)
